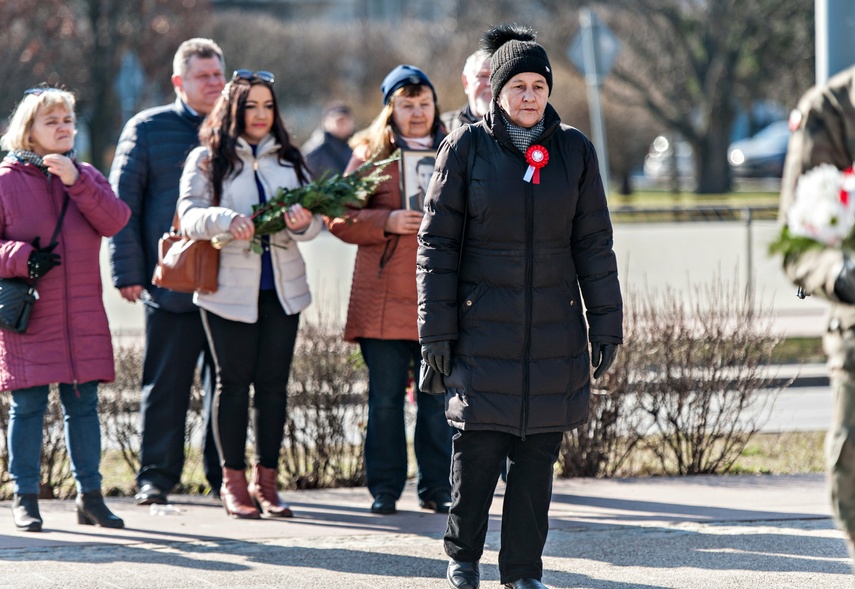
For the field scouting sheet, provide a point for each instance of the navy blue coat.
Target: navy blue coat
(532, 254)
(145, 174)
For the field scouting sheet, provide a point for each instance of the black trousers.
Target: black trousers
(257, 354)
(175, 344)
(476, 463)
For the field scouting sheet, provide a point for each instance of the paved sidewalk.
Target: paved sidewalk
(687, 533)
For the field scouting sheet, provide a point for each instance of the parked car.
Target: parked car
(659, 161)
(761, 155)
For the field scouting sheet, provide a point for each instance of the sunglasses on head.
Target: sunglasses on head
(251, 75)
(39, 91)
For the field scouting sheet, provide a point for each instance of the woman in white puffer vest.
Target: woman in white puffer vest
(252, 318)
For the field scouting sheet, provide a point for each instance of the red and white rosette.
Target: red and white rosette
(536, 157)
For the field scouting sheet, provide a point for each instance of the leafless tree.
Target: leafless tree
(80, 44)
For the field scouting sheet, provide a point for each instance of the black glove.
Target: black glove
(844, 285)
(437, 355)
(602, 357)
(42, 260)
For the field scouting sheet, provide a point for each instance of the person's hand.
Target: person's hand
(844, 285)
(298, 218)
(437, 355)
(131, 293)
(42, 260)
(403, 222)
(602, 357)
(63, 167)
(242, 227)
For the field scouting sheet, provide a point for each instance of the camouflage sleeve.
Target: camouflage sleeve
(819, 135)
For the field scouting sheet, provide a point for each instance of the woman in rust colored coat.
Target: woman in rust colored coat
(382, 315)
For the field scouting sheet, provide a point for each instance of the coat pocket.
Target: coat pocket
(575, 303)
(471, 300)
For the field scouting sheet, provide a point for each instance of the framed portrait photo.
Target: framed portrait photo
(416, 171)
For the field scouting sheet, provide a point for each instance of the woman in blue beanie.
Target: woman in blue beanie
(382, 313)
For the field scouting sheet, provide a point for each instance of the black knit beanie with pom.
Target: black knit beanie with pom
(513, 51)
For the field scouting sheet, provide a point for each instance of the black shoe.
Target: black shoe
(384, 504)
(25, 513)
(440, 502)
(526, 584)
(463, 575)
(91, 510)
(149, 494)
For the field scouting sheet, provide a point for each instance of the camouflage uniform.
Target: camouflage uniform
(824, 132)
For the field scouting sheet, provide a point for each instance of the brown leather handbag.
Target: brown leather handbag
(184, 264)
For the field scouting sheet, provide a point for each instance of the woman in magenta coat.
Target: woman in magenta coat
(68, 338)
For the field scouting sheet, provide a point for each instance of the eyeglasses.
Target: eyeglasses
(39, 91)
(251, 75)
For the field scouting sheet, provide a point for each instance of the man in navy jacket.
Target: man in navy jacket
(145, 174)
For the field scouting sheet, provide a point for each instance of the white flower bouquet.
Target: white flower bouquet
(823, 214)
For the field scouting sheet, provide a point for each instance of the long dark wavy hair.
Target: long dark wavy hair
(221, 129)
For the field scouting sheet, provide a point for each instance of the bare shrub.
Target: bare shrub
(325, 431)
(602, 447)
(119, 404)
(701, 375)
(689, 389)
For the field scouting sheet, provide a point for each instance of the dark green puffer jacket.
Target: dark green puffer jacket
(532, 253)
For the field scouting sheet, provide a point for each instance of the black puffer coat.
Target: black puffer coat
(145, 174)
(520, 358)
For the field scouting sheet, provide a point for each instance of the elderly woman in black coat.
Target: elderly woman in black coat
(516, 236)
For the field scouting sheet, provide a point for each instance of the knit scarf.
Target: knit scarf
(521, 137)
(28, 157)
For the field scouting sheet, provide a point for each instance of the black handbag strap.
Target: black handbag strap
(53, 237)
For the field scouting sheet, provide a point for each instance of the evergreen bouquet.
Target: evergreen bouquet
(823, 213)
(330, 195)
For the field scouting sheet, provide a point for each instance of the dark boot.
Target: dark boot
(92, 511)
(25, 513)
(263, 491)
(526, 584)
(235, 495)
(463, 575)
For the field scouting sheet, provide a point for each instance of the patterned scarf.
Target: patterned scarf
(521, 137)
(28, 157)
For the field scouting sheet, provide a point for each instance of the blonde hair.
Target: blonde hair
(17, 136)
(377, 137)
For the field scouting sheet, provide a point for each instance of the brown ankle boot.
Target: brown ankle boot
(235, 495)
(263, 492)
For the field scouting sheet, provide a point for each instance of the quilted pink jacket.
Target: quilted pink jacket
(68, 339)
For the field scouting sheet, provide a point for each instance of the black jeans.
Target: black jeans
(477, 459)
(388, 364)
(175, 344)
(257, 354)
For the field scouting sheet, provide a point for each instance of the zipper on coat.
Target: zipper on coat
(529, 270)
(265, 239)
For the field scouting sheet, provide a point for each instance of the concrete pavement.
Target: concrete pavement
(694, 532)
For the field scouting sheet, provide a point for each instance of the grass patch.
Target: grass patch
(777, 454)
(795, 350)
(661, 206)
(782, 453)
